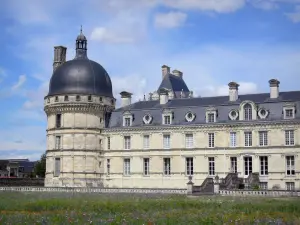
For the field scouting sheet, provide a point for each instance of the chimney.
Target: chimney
(163, 96)
(125, 98)
(177, 73)
(60, 53)
(165, 70)
(274, 88)
(233, 91)
(150, 96)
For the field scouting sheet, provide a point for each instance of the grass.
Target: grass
(65, 208)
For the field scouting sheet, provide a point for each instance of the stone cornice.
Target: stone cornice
(77, 107)
(215, 126)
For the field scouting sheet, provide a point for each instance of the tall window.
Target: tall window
(211, 166)
(146, 166)
(146, 141)
(290, 186)
(290, 165)
(107, 166)
(189, 140)
(166, 143)
(89, 98)
(211, 140)
(248, 165)
(167, 166)
(232, 139)
(77, 98)
(289, 137)
(57, 167)
(167, 119)
(263, 138)
(211, 118)
(108, 143)
(58, 120)
(233, 164)
(247, 112)
(289, 113)
(127, 144)
(57, 142)
(189, 166)
(66, 98)
(248, 139)
(126, 167)
(263, 165)
(127, 122)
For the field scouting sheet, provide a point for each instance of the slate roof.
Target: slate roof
(174, 83)
(198, 106)
(28, 166)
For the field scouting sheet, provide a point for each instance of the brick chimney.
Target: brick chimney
(60, 53)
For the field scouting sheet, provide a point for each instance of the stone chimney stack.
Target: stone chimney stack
(274, 88)
(163, 96)
(165, 70)
(125, 98)
(60, 53)
(233, 91)
(177, 73)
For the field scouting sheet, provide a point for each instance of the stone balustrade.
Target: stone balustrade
(262, 193)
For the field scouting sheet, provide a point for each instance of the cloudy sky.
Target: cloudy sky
(211, 41)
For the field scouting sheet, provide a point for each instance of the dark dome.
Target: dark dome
(80, 76)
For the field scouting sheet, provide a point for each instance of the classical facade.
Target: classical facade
(161, 141)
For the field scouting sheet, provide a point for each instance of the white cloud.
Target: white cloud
(265, 4)
(103, 34)
(170, 19)
(21, 81)
(294, 16)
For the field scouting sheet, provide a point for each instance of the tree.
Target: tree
(40, 166)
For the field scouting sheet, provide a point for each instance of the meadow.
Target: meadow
(67, 208)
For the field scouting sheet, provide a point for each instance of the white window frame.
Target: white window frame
(211, 140)
(167, 166)
(211, 166)
(248, 165)
(189, 166)
(248, 115)
(233, 164)
(263, 139)
(290, 186)
(58, 142)
(166, 141)
(189, 140)
(108, 167)
(209, 114)
(146, 141)
(263, 166)
(127, 142)
(290, 165)
(126, 167)
(233, 139)
(146, 166)
(289, 137)
(289, 108)
(167, 119)
(248, 139)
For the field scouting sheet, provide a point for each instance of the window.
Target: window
(100, 99)
(107, 166)
(146, 166)
(77, 98)
(263, 138)
(290, 186)
(289, 137)
(248, 139)
(166, 141)
(167, 166)
(167, 119)
(127, 122)
(290, 165)
(211, 140)
(211, 166)
(58, 120)
(210, 117)
(89, 98)
(248, 165)
(263, 185)
(289, 113)
(126, 167)
(189, 140)
(232, 139)
(57, 142)
(56, 99)
(57, 167)
(127, 142)
(247, 112)
(146, 141)
(189, 166)
(66, 98)
(263, 165)
(108, 143)
(233, 164)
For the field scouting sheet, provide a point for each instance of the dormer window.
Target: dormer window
(127, 122)
(247, 112)
(233, 114)
(147, 119)
(77, 98)
(100, 99)
(56, 98)
(289, 111)
(89, 98)
(167, 117)
(262, 113)
(127, 119)
(48, 100)
(189, 117)
(66, 98)
(211, 115)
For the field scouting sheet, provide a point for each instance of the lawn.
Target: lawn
(65, 208)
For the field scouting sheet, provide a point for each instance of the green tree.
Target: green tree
(40, 166)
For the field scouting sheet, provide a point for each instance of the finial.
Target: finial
(81, 29)
(144, 97)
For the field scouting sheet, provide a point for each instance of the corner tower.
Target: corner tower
(78, 105)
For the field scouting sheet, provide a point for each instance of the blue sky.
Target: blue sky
(212, 42)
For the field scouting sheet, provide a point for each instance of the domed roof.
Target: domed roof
(80, 76)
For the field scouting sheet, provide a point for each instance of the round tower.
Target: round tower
(78, 107)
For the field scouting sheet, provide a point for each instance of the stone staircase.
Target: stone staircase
(252, 181)
(206, 188)
(231, 181)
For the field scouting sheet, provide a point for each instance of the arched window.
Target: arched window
(247, 112)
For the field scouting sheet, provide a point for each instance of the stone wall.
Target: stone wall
(268, 193)
(21, 182)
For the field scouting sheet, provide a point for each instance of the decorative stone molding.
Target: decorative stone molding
(263, 113)
(233, 114)
(208, 112)
(241, 110)
(190, 116)
(147, 119)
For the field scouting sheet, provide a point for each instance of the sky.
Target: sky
(212, 42)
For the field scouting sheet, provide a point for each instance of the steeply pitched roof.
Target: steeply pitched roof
(173, 83)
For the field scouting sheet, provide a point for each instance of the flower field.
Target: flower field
(66, 208)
